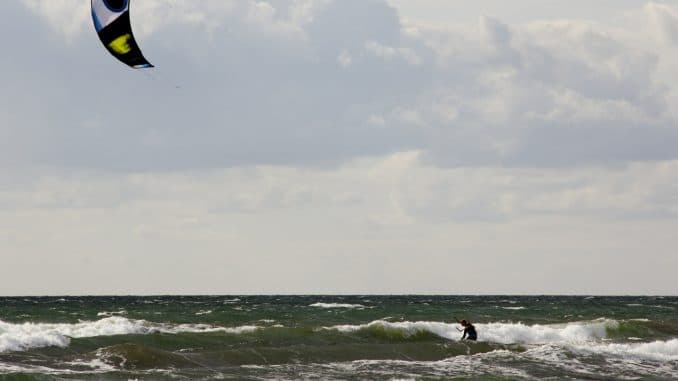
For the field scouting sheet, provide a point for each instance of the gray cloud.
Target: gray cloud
(264, 85)
(246, 96)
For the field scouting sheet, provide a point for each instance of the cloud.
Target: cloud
(198, 231)
(415, 190)
(549, 93)
(344, 59)
(298, 82)
(344, 136)
(260, 92)
(388, 53)
(67, 17)
(662, 18)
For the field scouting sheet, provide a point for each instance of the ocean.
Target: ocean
(337, 338)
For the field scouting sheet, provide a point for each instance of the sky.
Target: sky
(341, 146)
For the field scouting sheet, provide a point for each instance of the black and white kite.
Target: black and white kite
(111, 20)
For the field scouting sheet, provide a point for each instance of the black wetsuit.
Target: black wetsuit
(470, 333)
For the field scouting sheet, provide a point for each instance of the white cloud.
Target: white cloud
(151, 16)
(663, 19)
(345, 59)
(394, 207)
(389, 53)
(66, 16)
(302, 11)
(376, 120)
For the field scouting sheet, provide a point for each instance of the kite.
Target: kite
(112, 23)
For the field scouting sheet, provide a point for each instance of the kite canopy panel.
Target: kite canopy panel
(111, 20)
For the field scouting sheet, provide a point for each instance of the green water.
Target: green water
(337, 337)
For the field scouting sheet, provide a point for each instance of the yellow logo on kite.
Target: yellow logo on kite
(120, 44)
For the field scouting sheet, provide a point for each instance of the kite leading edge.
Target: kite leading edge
(112, 23)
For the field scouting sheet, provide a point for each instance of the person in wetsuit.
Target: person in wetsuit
(469, 331)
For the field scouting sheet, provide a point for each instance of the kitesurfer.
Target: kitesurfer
(469, 331)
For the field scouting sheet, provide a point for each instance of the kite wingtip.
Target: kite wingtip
(143, 66)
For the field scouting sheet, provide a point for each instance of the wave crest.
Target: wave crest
(584, 336)
(336, 305)
(24, 336)
(503, 333)
(574, 332)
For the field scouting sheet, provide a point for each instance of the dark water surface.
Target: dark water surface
(337, 337)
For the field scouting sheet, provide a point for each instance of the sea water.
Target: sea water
(337, 338)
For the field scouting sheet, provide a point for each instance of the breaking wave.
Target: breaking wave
(21, 337)
(336, 305)
(502, 333)
(589, 336)
(546, 334)
(656, 350)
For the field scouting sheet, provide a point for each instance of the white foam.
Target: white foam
(84, 367)
(336, 305)
(96, 365)
(656, 350)
(200, 328)
(513, 308)
(20, 337)
(112, 313)
(545, 334)
(445, 330)
(472, 366)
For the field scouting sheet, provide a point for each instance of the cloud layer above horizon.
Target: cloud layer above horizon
(333, 144)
